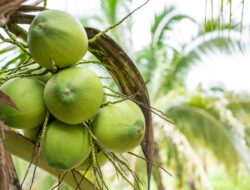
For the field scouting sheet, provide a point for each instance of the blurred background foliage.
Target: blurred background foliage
(207, 145)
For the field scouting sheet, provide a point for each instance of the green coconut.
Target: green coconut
(44, 77)
(65, 146)
(33, 133)
(73, 95)
(119, 127)
(27, 93)
(56, 39)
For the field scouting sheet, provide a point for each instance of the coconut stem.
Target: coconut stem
(80, 182)
(97, 62)
(112, 102)
(153, 164)
(77, 183)
(13, 40)
(113, 159)
(116, 24)
(119, 170)
(95, 165)
(13, 70)
(131, 97)
(36, 151)
(39, 146)
(137, 180)
(89, 61)
(22, 74)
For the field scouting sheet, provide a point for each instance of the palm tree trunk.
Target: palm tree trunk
(7, 7)
(8, 177)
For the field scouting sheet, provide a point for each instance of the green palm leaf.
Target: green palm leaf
(241, 110)
(204, 127)
(110, 10)
(200, 126)
(202, 45)
(218, 24)
(164, 22)
(181, 152)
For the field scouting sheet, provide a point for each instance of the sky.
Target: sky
(230, 71)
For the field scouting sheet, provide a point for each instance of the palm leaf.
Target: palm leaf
(241, 110)
(9, 55)
(183, 61)
(164, 22)
(6, 49)
(218, 25)
(181, 151)
(110, 10)
(202, 127)
(159, 17)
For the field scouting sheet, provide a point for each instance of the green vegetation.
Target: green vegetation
(202, 137)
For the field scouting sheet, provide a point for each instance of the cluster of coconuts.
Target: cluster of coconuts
(72, 95)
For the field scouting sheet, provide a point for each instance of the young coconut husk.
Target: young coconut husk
(65, 146)
(119, 127)
(56, 39)
(27, 93)
(73, 95)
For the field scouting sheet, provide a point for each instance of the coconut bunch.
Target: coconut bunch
(65, 110)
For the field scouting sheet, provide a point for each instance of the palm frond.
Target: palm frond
(10, 54)
(240, 106)
(237, 130)
(159, 17)
(241, 110)
(164, 22)
(110, 15)
(216, 127)
(110, 10)
(201, 127)
(218, 25)
(6, 49)
(183, 150)
(201, 46)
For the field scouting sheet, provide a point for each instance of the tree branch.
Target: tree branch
(8, 177)
(22, 147)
